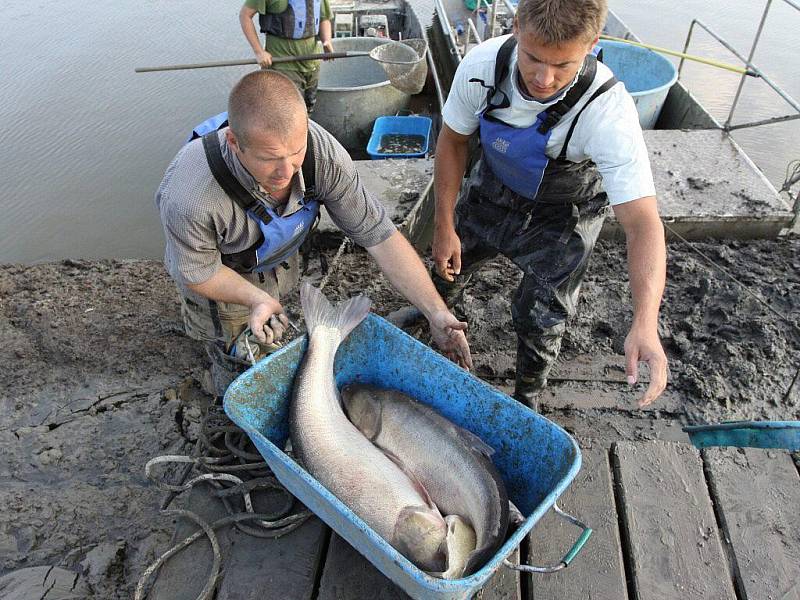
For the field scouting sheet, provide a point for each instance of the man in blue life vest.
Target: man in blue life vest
(560, 141)
(237, 202)
(291, 28)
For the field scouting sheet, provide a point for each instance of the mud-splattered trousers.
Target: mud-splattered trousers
(549, 238)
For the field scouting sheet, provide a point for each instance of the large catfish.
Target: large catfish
(450, 462)
(341, 458)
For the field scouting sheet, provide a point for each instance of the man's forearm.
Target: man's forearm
(647, 264)
(325, 34)
(249, 29)
(228, 286)
(647, 268)
(403, 267)
(449, 166)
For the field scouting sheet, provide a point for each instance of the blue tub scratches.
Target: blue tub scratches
(536, 458)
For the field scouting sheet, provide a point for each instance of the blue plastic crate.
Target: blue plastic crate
(536, 458)
(410, 125)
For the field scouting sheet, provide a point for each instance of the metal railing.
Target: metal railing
(749, 64)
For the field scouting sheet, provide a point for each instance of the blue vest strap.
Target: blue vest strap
(235, 190)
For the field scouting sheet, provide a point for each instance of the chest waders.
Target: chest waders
(300, 21)
(544, 214)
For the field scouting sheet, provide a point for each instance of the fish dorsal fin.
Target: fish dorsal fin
(414, 480)
(474, 442)
(471, 440)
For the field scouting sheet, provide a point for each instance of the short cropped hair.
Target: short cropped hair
(555, 22)
(264, 101)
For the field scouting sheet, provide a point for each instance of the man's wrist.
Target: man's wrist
(645, 323)
(444, 225)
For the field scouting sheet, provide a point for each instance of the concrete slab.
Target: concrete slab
(397, 183)
(708, 187)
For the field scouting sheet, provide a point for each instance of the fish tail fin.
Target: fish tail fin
(319, 312)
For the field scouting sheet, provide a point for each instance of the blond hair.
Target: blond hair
(264, 101)
(555, 22)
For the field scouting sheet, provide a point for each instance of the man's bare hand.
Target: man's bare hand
(446, 252)
(448, 335)
(264, 59)
(644, 346)
(268, 322)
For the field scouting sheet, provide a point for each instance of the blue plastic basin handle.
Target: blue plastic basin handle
(568, 557)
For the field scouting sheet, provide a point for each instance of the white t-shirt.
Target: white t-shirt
(608, 131)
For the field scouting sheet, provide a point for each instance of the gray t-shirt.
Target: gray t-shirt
(201, 222)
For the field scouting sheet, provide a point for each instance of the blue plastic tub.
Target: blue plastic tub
(647, 76)
(747, 434)
(409, 125)
(536, 458)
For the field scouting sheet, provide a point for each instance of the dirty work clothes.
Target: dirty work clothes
(279, 46)
(306, 82)
(607, 133)
(201, 222)
(550, 240)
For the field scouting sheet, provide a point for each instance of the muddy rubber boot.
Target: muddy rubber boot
(405, 316)
(224, 369)
(527, 390)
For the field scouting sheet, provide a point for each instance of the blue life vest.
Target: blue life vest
(300, 20)
(516, 155)
(281, 235)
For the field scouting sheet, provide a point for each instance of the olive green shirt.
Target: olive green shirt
(278, 46)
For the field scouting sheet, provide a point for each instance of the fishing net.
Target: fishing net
(404, 63)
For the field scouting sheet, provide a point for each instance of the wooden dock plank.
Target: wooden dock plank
(252, 568)
(598, 571)
(757, 494)
(674, 548)
(349, 576)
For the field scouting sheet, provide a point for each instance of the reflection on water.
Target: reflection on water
(87, 140)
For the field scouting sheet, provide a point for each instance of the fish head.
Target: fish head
(419, 535)
(459, 544)
(363, 407)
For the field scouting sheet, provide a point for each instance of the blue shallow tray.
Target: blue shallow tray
(536, 458)
(747, 434)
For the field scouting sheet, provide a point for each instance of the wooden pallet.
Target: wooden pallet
(669, 522)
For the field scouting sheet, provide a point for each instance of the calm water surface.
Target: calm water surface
(87, 139)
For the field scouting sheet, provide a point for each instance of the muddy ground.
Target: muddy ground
(97, 378)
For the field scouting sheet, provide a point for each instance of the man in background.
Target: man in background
(292, 28)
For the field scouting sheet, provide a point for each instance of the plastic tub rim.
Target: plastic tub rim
(651, 91)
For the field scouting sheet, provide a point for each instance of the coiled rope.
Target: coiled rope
(221, 450)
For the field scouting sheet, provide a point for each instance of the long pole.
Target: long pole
(252, 61)
(700, 59)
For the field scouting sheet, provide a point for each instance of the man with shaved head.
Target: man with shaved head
(237, 202)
